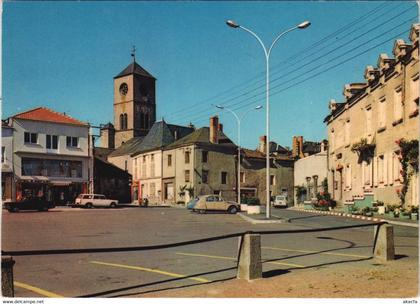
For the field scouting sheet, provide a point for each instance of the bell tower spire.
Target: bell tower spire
(133, 53)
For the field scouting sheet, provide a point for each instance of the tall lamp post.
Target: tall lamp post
(267, 53)
(238, 119)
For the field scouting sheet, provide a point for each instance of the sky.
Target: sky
(64, 55)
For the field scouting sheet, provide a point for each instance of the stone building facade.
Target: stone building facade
(363, 131)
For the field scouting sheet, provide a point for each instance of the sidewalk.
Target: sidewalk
(376, 218)
(261, 219)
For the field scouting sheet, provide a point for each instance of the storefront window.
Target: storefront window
(52, 168)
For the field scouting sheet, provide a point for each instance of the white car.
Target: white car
(280, 201)
(94, 200)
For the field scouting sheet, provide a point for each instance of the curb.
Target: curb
(360, 217)
(253, 221)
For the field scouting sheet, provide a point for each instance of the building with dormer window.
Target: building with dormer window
(364, 130)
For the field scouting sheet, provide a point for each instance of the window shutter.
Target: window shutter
(390, 168)
(375, 171)
(350, 177)
(385, 168)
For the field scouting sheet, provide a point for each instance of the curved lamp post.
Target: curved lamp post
(267, 53)
(238, 119)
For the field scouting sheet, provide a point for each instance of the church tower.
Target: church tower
(134, 102)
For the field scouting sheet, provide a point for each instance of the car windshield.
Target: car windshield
(281, 197)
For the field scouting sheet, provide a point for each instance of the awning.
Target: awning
(60, 183)
(34, 178)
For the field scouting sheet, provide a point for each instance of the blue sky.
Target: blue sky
(64, 55)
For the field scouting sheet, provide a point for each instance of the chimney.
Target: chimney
(300, 140)
(220, 127)
(214, 123)
(262, 144)
(297, 146)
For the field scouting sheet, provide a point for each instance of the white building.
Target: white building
(309, 174)
(6, 162)
(50, 155)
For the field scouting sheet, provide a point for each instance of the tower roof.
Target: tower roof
(136, 69)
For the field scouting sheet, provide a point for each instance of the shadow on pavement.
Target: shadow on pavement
(108, 292)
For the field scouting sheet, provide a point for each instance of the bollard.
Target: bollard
(384, 243)
(7, 289)
(249, 264)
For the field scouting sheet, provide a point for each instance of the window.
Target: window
(348, 177)
(366, 173)
(205, 155)
(380, 163)
(205, 176)
(53, 168)
(152, 157)
(72, 142)
(398, 106)
(52, 142)
(3, 154)
(347, 132)
(224, 178)
(382, 114)
(242, 177)
(332, 141)
(152, 189)
(272, 180)
(169, 160)
(369, 121)
(187, 157)
(414, 96)
(396, 164)
(187, 175)
(30, 138)
(135, 169)
(125, 122)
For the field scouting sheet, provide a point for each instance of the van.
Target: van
(280, 201)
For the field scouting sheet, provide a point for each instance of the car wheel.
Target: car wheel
(113, 205)
(89, 205)
(232, 210)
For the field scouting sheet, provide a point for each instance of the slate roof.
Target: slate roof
(160, 135)
(102, 153)
(202, 136)
(127, 148)
(48, 115)
(311, 147)
(134, 68)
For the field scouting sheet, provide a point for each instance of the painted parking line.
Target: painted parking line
(234, 259)
(170, 274)
(324, 253)
(37, 290)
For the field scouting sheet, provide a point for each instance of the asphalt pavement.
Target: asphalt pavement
(142, 273)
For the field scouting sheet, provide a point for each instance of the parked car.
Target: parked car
(191, 203)
(215, 203)
(280, 201)
(32, 203)
(94, 200)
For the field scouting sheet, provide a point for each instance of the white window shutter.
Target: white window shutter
(385, 168)
(350, 177)
(375, 171)
(363, 165)
(390, 168)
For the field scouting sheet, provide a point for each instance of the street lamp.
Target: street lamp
(238, 119)
(267, 53)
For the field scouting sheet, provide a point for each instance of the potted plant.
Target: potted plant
(404, 213)
(415, 213)
(381, 207)
(367, 211)
(253, 206)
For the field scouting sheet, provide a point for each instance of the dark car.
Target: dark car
(33, 203)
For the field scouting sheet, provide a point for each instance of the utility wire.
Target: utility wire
(312, 62)
(290, 59)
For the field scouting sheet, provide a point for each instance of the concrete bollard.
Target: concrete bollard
(249, 265)
(7, 288)
(384, 245)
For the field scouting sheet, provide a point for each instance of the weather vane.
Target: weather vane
(133, 53)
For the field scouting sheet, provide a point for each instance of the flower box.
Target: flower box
(415, 216)
(244, 207)
(381, 209)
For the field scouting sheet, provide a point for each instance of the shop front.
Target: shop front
(60, 192)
